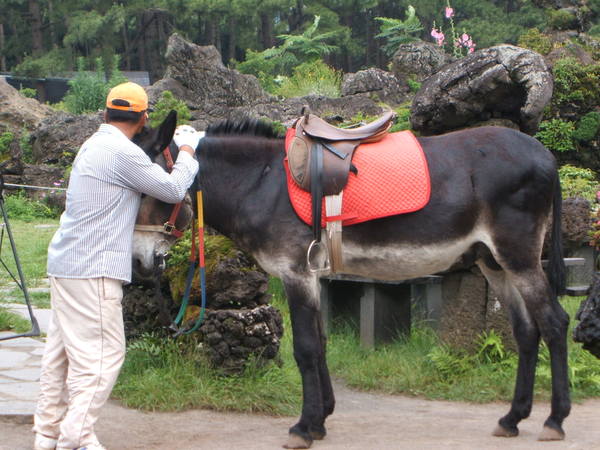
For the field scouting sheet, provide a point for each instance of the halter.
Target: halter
(169, 226)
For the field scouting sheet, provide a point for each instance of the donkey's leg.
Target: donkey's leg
(302, 295)
(553, 323)
(326, 387)
(527, 338)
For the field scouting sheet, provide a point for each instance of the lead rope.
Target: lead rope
(194, 257)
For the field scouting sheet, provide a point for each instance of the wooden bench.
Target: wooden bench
(384, 310)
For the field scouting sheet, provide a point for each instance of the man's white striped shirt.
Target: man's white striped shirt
(109, 174)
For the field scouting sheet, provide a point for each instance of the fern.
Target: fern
(398, 32)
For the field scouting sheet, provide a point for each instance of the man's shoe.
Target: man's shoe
(44, 443)
(92, 447)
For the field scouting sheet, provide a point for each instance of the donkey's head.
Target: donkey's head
(588, 330)
(152, 237)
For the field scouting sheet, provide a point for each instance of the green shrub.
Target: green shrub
(54, 62)
(594, 30)
(557, 135)
(165, 104)
(19, 206)
(88, 90)
(402, 119)
(587, 127)
(534, 40)
(561, 19)
(6, 139)
(26, 147)
(578, 182)
(313, 77)
(28, 92)
(575, 83)
(413, 85)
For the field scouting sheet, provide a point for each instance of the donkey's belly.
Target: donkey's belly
(403, 261)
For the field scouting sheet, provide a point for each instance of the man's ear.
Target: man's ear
(167, 129)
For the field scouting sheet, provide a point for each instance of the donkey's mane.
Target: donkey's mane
(246, 127)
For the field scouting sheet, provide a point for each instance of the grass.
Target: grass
(161, 374)
(32, 248)
(422, 366)
(10, 321)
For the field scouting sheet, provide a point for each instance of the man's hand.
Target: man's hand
(186, 138)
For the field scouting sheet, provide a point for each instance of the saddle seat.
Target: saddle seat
(318, 128)
(337, 145)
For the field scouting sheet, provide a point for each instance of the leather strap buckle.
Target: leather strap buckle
(169, 227)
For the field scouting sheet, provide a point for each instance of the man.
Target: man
(89, 258)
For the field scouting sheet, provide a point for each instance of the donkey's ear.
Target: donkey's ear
(167, 129)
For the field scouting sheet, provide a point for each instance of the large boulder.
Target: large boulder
(197, 75)
(504, 82)
(587, 331)
(418, 60)
(376, 84)
(18, 112)
(58, 138)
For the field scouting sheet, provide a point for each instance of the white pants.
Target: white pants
(85, 349)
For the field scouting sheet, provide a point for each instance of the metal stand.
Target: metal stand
(35, 328)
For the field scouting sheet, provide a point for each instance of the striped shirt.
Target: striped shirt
(109, 174)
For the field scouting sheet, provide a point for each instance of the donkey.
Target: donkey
(494, 193)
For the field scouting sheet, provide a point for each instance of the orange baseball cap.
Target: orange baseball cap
(127, 97)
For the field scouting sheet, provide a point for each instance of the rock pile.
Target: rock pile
(233, 336)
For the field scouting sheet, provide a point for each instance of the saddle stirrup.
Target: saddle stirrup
(316, 193)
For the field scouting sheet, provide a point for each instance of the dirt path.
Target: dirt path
(361, 421)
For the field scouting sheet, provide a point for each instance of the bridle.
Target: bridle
(168, 227)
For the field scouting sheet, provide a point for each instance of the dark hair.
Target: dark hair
(117, 115)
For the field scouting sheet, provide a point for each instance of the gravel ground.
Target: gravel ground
(361, 421)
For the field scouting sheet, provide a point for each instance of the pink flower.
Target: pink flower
(438, 36)
(449, 12)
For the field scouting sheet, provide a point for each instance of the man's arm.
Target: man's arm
(135, 170)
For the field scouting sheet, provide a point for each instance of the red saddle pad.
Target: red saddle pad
(393, 178)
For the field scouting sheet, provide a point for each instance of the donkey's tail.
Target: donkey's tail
(556, 270)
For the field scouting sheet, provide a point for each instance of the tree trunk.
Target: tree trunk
(126, 46)
(53, 37)
(37, 45)
(232, 24)
(142, 43)
(266, 31)
(210, 33)
(2, 57)
(368, 39)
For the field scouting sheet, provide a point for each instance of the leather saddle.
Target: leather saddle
(320, 156)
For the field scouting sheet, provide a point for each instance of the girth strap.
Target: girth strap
(316, 189)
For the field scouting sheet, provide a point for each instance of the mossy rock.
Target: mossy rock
(233, 280)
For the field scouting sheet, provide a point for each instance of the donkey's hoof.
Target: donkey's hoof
(551, 434)
(500, 431)
(318, 433)
(295, 441)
